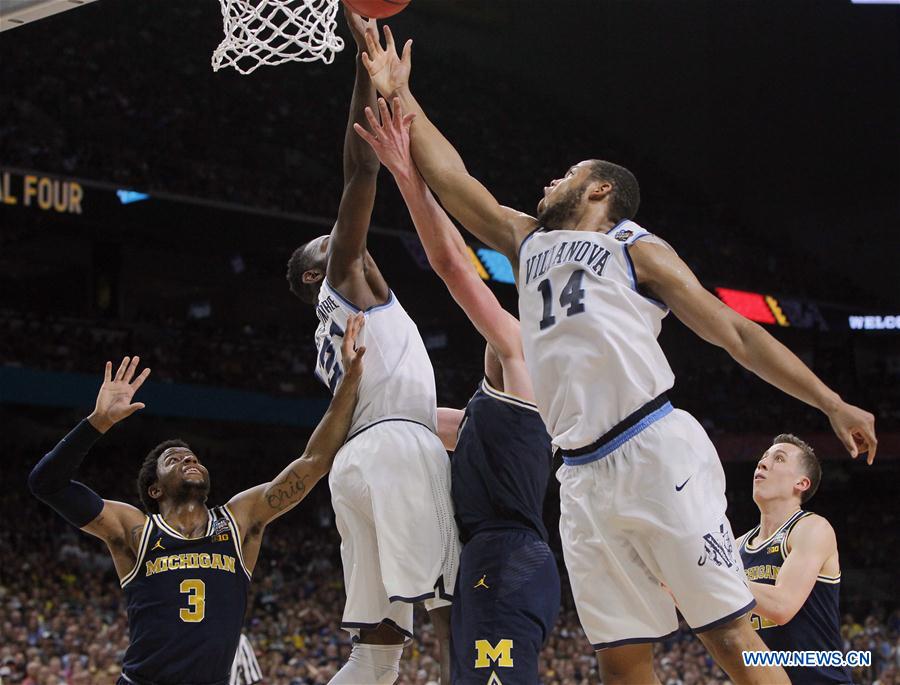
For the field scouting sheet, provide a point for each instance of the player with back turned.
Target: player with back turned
(399, 544)
(642, 488)
(185, 568)
(507, 597)
(791, 562)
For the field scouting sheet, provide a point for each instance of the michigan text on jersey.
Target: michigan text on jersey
(174, 562)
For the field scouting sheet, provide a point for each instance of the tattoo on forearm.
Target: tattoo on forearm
(287, 491)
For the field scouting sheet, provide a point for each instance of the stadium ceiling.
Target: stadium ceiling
(14, 13)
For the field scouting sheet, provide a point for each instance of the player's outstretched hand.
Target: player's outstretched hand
(359, 26)
(856, 429)
(388, 71)
(114, 399)
(351, 354)
(390, 136)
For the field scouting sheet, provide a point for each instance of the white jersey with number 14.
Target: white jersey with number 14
(589, 336)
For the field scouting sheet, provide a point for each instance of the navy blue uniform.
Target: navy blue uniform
(507, 594)
(186, 600)
(817, 626)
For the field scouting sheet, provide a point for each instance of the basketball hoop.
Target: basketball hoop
(259, 32)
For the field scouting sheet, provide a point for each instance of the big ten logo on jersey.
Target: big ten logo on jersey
(488, 654)
(328, 367)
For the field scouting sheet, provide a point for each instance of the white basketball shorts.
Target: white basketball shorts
(651, 511)
(390, 488)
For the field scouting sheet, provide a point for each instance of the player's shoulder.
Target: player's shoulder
(811, 529)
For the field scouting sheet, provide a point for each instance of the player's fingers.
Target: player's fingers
(139, 381)
(406, 58)
(132, 367)
(364, 134)
(373, 120)
(107, 372)
(397, 110)
(373, 45)
(408, 119)
(367, 63)
(134, 407)
(389, 40)
(384, 112)
(122, 368)
(846, 437)
(871, 443)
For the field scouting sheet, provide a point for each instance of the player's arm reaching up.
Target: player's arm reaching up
(255, 508)
(447, 252)
(118, 524)
(350, 269)
(812, 544)
(438, 161)
(661, 272)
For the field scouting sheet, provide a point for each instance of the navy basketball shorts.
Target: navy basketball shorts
(505, 606)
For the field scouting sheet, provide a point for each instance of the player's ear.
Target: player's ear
(599, 190)
(803, 484)
(155, 491)
(312, 276)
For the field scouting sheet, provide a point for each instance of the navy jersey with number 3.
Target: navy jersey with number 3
(186, 599)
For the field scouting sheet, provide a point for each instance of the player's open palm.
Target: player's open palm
(389, 138)
(114, 399)
(351, 353)
(388, 71)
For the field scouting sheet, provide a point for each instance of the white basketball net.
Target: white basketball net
(259, 32)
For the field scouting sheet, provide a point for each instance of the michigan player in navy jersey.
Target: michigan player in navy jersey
(398, 546)
(185, 568)
(791, 561)
(642, 489)
(507, 596)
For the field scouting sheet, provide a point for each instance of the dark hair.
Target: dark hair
(299, 263)
(626, 194)
(147, 474)
(809, 463)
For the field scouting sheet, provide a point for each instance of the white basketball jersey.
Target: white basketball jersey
(589, 336)
(398, 380)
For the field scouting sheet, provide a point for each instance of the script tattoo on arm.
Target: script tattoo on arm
(287, 491)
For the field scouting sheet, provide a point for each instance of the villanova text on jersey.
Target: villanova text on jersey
(588, 332)
(186, 599)
(816, 626)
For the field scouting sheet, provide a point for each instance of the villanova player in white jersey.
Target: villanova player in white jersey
(390, 483)
(643, 493)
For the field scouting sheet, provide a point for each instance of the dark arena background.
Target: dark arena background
(148, 206)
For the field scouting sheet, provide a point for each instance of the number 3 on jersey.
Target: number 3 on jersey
(570, 297)
(328, 358)
(195, 589)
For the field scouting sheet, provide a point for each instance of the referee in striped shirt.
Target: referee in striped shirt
(245, 669)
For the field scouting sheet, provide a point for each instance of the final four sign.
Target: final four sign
(41, 192)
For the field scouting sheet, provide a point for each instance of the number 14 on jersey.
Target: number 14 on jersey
(570, 298)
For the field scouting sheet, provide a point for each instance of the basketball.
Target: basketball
(377, 9)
